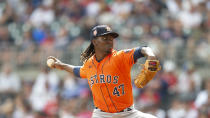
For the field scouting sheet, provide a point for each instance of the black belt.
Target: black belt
(124, 110)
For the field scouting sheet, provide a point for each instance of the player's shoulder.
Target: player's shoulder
(121, 53)
(125, 51)
(89, 61)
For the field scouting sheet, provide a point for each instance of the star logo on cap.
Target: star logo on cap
(94, 32)
(108, 28)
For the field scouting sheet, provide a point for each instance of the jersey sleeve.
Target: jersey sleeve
(76, 71)
(137, 54)
(130, 56)
(80, 71)
(83, 73)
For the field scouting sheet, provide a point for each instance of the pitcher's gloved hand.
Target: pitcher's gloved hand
(150, 68)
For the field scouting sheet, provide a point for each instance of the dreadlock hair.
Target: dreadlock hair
(87, 53)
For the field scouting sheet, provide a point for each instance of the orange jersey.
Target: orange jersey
(110, 80)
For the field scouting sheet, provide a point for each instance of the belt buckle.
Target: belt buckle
(127, 109)
(99, 109)
(124, 110)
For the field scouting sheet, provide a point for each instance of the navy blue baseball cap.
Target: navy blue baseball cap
(101, 30)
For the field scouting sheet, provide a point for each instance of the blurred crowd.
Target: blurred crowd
(31, 30)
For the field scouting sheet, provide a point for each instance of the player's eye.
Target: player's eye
(106, 38)
(103, 38)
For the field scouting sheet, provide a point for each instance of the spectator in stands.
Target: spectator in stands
(44, 89)
(9, 81)
(203, 96)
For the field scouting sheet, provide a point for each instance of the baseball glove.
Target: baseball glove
(150, 68)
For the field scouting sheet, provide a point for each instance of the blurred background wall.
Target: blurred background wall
(31, 30)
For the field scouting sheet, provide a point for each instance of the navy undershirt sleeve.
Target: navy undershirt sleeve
(76, 71)
(137, 54)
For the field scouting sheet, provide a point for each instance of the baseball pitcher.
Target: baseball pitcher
(108, 74)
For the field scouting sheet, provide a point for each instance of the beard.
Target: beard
(109, 50)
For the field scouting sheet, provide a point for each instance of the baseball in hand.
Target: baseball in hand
(50, 62)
